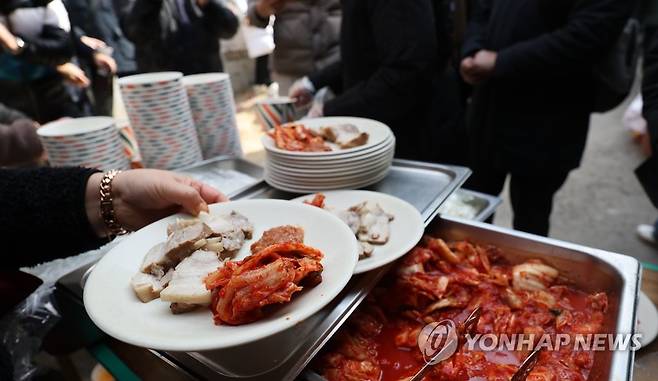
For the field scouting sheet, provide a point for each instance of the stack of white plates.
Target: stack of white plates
(307, 172)
(160, 115)
(213, 110)
(87, 142)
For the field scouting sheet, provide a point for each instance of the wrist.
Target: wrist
(93, 205)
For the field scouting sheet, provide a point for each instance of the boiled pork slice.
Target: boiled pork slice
(374, 223)
(279, 234)
(365, 250)
(187, 284)
(233, 229)
(345, 135)
(156, 262)
(148, 287)
(349, 217)
(183, 242)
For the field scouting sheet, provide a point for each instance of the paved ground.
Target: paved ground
(602, 201)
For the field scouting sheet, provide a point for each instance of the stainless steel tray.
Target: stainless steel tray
(230, 175)
(589, 269)
(285, 355)
(484, 205)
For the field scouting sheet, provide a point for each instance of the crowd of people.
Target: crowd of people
(505, 87)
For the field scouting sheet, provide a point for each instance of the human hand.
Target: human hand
(302, 91)
(478, 68)
(93, 43)
(8, 40)
(105, 62)
(74, 75)
(142, 196)
(266, 8)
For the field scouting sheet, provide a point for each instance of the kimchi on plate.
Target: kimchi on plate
(438, 281)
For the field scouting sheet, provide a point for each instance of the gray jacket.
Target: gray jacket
(306, 34)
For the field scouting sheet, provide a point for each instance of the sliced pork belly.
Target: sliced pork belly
(279, 234)
(187, 284)
(183, 242)
(148, 287)
(345, 135)
(156, 262)
(374, 223)
(350, 217)
(233, 229)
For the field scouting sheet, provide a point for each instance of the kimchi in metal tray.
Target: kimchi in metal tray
(589, 270)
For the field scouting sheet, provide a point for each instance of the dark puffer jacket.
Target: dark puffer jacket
(306, 34)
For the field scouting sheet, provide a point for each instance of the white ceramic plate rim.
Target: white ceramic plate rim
(119, 263)
(328, 172)
(391, 251)
(324, 188)
(349, 158)
(378, 132)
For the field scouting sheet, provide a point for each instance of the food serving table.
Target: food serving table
(286, 355)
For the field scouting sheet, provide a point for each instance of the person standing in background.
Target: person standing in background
(531, 63)
(35, 56)
(96, 24)
(19, 143)
(387, 72)
(306, 35)
(178, 35)
(650, 112)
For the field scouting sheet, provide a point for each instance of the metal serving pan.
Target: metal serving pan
(284, 356)
(484, 205)
(231, 175)
(588, 269)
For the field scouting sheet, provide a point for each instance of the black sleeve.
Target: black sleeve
(405, 41)
(81, 49)
(53, 47)
(476, 28)
(591, 29)
(650, 90)
(141, 21)
(43, 215)
(224, 22)
(331, 76)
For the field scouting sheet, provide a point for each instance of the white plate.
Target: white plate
(329, 172)
(321, 188)
(114, 308)
(350, 159)
(647, 320)
(329, 180)
(406, 229)
(378, 132)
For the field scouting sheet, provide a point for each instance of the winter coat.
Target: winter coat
(168, 36)
(306, 34)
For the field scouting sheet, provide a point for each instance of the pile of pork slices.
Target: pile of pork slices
(174, 270)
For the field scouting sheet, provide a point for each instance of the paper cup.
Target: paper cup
(275, 111)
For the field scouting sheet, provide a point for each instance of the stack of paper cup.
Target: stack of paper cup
(92, 142)
(213, 110)
(160, 115)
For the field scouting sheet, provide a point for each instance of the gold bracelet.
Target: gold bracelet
(107, 206)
